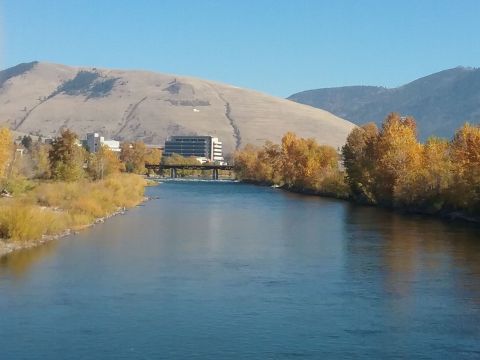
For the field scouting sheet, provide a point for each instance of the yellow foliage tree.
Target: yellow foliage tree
(6, 144)
(246, 162)
(297, 163)
(427, 186)
(306, 164)
(103, 163)
(153, 156)
(133, 155)
(387, 167)
(269, 163)
(398, 154)
(465, 152)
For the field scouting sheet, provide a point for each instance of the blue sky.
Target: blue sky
(278, 47)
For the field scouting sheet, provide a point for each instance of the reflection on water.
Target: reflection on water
(216, 271)
(405, 247)
(19, 262)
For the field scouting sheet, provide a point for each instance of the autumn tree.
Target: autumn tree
(425, 186)
(66, 157)
(103, 163)
(6, 144)
(359, 160)
(398, 155)
(297, 163)
(291, 154)
(153, 156)
(268, 165)
(39, 154)
(245, 162)
(387, 167)
(262, 165)
(305, 163)
(465, 153)
(133, 155)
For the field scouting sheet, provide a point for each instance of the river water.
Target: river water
(214, 270)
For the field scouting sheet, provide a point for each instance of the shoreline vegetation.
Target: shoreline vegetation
(56, 209)
(53, 190)
(386, 167)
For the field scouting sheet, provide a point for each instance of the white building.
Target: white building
(94, 143)
(217, 150)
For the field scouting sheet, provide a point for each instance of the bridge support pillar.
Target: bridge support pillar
(173, 173)
(215, 174)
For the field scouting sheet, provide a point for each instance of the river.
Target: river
(211, 270)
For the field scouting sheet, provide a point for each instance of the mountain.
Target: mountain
(41, 98)
(440, 102)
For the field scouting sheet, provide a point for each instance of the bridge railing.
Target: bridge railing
(174, 167)
(188, 167)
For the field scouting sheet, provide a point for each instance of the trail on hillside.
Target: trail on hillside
(231, 120)
(28, 113)
(129, 112)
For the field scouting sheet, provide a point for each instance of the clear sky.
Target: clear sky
(278, 47)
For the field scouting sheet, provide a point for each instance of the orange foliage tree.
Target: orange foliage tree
(297, 163)
(389, 167)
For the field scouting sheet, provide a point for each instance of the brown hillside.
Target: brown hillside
(40, 98)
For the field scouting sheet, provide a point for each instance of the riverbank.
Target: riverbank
(441, 215)
(388, 168)
(56, 209)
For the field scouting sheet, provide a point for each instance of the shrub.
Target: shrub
(55, 206)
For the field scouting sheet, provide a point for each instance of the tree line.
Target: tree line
(64, 159)
(48, 189)
(385, 166)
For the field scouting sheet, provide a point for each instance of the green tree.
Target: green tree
(183, 160)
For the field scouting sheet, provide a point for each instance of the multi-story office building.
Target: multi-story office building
(201, 147)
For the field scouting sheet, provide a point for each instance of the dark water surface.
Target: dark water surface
(233, 271)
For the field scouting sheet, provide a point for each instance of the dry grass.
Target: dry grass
(53, 207)
(27, 222)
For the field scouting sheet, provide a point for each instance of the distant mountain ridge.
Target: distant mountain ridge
(440, 102)
(40, 98)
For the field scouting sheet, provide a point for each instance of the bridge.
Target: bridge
(174, 167)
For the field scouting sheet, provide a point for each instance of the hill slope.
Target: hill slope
(40, 98)
(440, 102)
